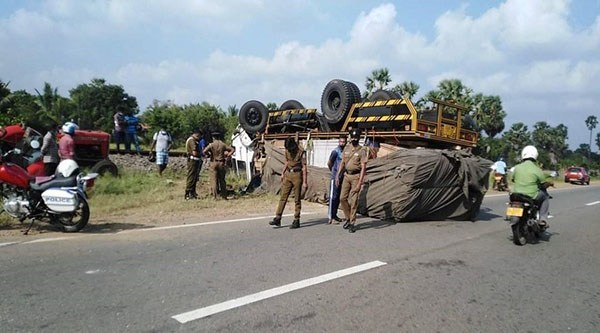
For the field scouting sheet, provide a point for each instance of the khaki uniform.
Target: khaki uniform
(193, 160)
(217, 151)
(292, 180)
(353, 157)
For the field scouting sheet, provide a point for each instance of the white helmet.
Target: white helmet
(529, 152)
(67, 168)
(69, 128)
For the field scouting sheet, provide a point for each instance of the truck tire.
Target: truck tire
(383, 95)
(253, 117)
(291, 105)
(105, 166)
(355, 91)
(336, 102)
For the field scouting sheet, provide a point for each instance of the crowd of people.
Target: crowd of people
(347, 163)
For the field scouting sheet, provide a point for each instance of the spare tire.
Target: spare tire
(253, 117)
(383, 95)
(336, 101)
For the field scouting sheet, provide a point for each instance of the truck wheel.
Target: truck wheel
(291, 105)
(336, 101)
(355, 91)
(253, 117)
(383, 95)
(105, 166)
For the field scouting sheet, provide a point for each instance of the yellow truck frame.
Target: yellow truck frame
(393, 121)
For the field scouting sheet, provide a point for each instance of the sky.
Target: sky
(542, 57)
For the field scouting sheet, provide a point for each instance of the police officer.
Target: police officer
(193, 154)
(354, 164)
(219, 152)
(293, 176)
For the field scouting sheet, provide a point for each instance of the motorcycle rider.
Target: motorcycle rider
(529, 179)
(500, 169)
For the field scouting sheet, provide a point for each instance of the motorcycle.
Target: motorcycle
(61, 199)
(523, 216)
(500, 183)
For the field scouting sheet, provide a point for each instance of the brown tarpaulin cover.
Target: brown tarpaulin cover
(404, 185)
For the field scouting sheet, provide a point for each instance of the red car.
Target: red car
(577, 175)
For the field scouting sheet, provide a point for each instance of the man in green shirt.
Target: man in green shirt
(529, 179)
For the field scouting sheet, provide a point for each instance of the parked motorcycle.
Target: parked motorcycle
(523, 215)
(60, 199)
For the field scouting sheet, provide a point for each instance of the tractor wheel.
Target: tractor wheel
(253, 117)
(336, 101)
(383, 95)
(105, 166)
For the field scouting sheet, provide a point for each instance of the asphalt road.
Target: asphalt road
(420, 277)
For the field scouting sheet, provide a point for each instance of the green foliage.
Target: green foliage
(97, 102)
(551, 142)
(379, 79)
(406, 89)
(181, 120)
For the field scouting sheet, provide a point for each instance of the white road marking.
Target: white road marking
(593, 203)
(42, 240)
(228, 305)
(200, 224)
(7, 244)
(95, 271)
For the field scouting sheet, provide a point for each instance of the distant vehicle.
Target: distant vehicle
(577, 175)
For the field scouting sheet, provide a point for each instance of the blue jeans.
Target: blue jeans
(129, 139)
(334, 198)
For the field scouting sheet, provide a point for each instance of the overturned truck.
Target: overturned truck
(420, 165)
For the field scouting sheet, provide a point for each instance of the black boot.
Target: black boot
(295, 224)
(276, 222)
(346, 224)
(352, 228)
(187, 195)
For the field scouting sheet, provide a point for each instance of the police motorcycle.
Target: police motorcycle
(60, 199)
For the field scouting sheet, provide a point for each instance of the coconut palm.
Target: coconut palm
(591, 123)
(407, 89)
(379, 79)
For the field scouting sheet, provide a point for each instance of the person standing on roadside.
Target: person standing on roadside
(50, 150)
(354, 164)
(193, 160)
(119, 130)
(335, 159)
(218, 152)
(66, 145)
(162, 142)
(132, 123)
(293, 177)
(201, 146)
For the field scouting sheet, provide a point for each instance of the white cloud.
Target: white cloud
(524, 51)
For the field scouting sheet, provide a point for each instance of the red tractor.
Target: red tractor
(91, 149)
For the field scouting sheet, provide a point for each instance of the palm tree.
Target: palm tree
(591, 123)
(48, 101)
(379, 79)
(407, 89)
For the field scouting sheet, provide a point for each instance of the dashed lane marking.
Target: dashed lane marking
(593, 203)
(228, 305)
(8, 243)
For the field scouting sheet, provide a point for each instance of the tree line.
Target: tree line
(92, 106)
(489, 115)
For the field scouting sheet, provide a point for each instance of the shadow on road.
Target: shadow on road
(487, 214)
(111, 227)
